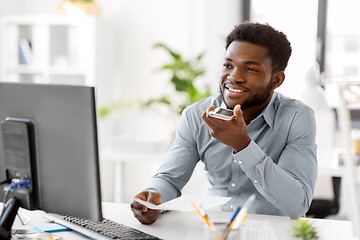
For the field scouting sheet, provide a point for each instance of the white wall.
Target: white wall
(298, 20)
(188, 26)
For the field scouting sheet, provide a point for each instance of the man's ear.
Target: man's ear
(278, 79)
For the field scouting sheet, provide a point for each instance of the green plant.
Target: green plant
(109, 108)
(184, 73)
(304, 230)
(183, 76)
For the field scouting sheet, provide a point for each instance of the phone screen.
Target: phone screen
(222, 113)
(225, 112)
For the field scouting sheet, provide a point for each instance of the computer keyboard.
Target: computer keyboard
(105, 229)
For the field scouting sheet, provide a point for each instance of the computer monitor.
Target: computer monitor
(60, 122)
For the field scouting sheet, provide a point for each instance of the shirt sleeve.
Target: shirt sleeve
(289, 184)
(179, 163)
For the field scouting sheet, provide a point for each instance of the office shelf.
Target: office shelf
(48, 49)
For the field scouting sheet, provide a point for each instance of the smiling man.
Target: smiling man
(268, 148)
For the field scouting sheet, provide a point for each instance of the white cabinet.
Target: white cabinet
(48, 49)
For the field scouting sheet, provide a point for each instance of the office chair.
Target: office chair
(321, 208)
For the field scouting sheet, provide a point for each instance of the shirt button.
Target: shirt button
(255, 181)
(231, 206)
(233, 184)
(240, 162)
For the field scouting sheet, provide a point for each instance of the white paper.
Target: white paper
(184, 203)
(257, 230)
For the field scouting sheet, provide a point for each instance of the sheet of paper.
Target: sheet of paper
(184, 203)
(257, 230)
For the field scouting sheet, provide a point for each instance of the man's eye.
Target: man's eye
(252, 69)
(225, 65)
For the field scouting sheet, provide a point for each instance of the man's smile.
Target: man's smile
(234, 89)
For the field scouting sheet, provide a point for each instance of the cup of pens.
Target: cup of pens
(220, 231)
(225, 230)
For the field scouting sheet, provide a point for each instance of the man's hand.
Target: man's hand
(142, 213)
(232, 133)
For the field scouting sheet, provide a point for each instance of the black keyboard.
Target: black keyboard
(106, 228)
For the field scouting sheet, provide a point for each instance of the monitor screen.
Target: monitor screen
(63, 147)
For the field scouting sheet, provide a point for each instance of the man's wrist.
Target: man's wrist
(243, 146)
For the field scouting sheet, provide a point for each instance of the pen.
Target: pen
(228, 229)
(243, 212)
(201, 214)
(239, 216)
(231, 222)
(241, 221)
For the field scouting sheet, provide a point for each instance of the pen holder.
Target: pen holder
(219, 231)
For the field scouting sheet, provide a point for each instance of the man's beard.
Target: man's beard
(255, 101)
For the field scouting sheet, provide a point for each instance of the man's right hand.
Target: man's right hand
(141, 212)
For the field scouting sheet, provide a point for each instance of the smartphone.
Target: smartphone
(222, 113)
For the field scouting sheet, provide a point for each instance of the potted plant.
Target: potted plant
(184, 73)
(304, 230)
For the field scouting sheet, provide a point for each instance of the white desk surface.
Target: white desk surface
(181, 225)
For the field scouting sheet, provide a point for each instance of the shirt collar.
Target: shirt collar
(269, 111)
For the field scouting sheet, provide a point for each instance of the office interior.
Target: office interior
(110, 45)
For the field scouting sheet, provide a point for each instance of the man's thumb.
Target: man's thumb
(238, 112)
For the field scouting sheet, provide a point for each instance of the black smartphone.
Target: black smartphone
(222, 113)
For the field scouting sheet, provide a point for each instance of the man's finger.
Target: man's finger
(138, 207)
(207, 119)
(238, 113)
(154, 198)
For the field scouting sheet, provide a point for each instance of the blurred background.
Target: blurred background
(111, 44)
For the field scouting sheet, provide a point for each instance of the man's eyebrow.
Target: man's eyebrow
(246, 62)
(253, 63)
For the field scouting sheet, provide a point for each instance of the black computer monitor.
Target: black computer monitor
(60, 146)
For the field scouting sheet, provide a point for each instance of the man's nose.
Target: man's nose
(235, 76)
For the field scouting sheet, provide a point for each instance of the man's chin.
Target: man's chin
(229, 102)
(232, 104)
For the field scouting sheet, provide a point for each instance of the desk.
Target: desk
(179, 225)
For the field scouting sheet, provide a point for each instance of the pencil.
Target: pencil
(205, 219)
(203, 216)
(226, 233)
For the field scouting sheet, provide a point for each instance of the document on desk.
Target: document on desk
(184, 203)
(257, 230)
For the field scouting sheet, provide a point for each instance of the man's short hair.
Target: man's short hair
(279, 47)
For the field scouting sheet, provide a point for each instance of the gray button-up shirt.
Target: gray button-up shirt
(279, 165)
